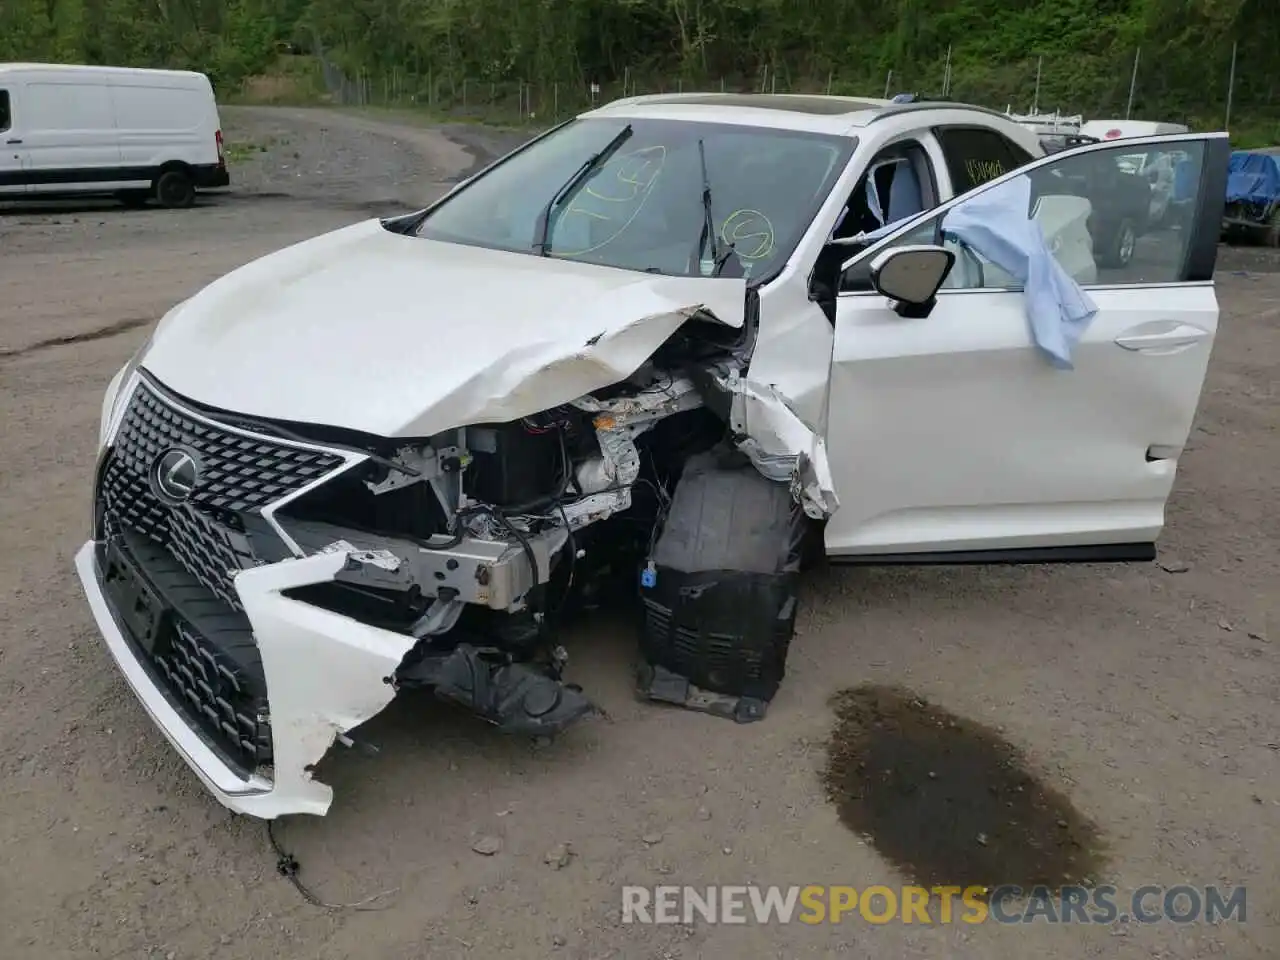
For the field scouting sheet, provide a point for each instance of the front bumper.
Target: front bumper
(325, 673)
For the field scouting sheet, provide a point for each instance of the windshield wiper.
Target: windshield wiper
(708, 219)
(718, 260)
(542, 231)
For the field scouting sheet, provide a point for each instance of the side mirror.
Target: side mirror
(911, 277)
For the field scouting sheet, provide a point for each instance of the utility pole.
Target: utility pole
(1133, 82)
(1231, 86)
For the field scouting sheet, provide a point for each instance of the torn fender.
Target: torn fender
(780, 444)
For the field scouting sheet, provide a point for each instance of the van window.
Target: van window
(6, 119)
(70, 106)
(156, 108)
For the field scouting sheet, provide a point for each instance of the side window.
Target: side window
(1103, 220)
(898, 183)
(976, 154)
(6, 118)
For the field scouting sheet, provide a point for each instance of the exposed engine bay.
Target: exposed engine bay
(480, 541)
(268, 584)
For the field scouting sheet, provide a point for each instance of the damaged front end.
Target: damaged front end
(266, 588)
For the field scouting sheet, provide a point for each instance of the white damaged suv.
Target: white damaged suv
(672, 345)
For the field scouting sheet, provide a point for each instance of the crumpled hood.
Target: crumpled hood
(401, 336)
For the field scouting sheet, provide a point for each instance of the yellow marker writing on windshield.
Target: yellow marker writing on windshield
(750, 232)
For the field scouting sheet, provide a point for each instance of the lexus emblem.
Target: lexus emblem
(176, 474)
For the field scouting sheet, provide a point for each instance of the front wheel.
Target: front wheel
(174, 189)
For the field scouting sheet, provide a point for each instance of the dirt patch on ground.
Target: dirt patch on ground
(1147, 697)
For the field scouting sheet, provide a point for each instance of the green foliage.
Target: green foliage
(1083, 50)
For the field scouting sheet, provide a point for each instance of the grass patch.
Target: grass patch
(242, 151)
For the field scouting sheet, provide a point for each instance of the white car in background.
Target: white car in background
(668, 345)
(1131, 129)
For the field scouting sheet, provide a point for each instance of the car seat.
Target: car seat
(905, 195)
(906, 198)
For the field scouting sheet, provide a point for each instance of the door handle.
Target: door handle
(1161, 337)
(13, 141)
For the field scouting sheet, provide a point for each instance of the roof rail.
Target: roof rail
(896, 108)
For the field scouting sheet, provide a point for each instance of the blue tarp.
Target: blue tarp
(1253, 178)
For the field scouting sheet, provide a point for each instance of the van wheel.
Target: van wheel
(174, 189)
(134, 199)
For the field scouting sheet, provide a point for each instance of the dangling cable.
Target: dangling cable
(288, 867)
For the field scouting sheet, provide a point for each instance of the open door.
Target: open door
(954, 438)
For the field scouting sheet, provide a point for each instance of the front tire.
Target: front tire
(175, 190)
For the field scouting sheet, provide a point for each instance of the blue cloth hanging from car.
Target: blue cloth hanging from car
(997, 225)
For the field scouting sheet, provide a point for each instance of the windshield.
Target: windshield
(643, 208)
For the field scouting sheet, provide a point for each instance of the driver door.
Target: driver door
(12, 153)
(953, 439)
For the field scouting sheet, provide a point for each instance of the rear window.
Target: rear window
(6, 120)
(975, 155)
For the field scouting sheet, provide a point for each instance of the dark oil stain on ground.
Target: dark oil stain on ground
(948, 801)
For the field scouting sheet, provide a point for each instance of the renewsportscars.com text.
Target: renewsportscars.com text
(818, 904)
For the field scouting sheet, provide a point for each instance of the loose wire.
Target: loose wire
(288, 867)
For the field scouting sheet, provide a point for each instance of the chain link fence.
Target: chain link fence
(1092, 85)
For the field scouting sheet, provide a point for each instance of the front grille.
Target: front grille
(189, 551)
(239, 475)
(215, 688)
(203, 657)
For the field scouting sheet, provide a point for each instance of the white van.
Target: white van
(137, 134)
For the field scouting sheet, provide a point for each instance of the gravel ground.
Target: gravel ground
(1147, 697)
